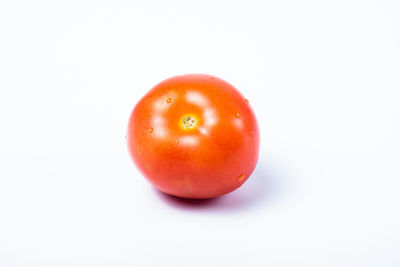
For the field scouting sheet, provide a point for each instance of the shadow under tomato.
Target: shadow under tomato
(257, 191)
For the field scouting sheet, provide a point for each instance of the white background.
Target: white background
(322, 76)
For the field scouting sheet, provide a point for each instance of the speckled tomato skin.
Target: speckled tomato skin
(211, 159)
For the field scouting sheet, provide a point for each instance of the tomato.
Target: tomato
(194, 136)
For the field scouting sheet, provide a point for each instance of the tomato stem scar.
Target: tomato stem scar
(189, 122)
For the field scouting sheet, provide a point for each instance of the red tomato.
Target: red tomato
(194, 136)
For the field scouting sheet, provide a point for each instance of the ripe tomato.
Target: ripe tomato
(194, 136)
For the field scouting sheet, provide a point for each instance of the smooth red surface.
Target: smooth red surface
(211, 159)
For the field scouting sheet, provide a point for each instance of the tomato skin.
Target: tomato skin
(194, 136)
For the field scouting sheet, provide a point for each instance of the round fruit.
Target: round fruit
(194, 136)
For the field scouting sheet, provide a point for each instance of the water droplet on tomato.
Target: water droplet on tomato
(237, 115)
(168, 100)
(241, 177)
(150, 130)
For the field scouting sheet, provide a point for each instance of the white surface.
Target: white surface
(322, 76)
